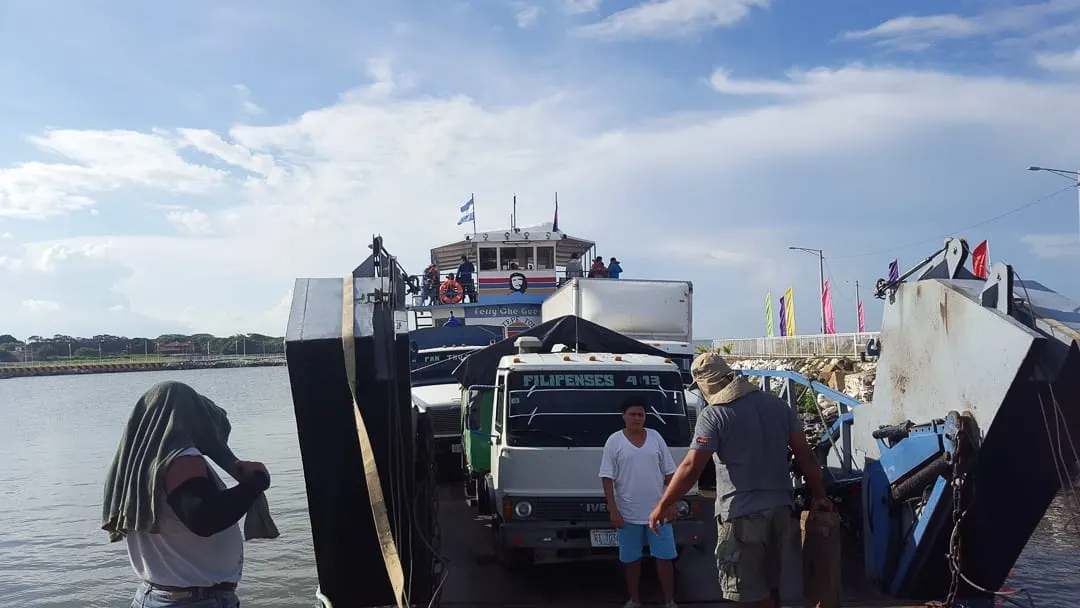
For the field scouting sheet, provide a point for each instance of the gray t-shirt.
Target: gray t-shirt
(749, 441)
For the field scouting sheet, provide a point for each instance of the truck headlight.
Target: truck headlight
(684, 508)
(523, 509)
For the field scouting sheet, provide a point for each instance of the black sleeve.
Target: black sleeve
(206, 510)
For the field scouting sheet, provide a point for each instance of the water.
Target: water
(58, 435)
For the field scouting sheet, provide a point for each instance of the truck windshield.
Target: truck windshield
(684, 362)
(583, 409)
(428, 368)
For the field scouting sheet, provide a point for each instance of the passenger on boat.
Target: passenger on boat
(573, 267)
(179, 520)
(431, 285)
(635, 466)
(452, 321)
(598, 271)
(613, 268)
(748, 433)
(465, 273)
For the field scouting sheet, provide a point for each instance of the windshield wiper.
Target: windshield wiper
(570, 441)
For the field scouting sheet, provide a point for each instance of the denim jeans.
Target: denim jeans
(145, 597)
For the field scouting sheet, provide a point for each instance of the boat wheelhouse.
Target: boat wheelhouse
(516, 269)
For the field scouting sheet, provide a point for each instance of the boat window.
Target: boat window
(545, 258)
(489, 258)
(519, 258)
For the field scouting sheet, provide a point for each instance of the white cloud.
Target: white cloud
(1053, 245)
(693, 196)
(40, 306)
(7, 235)
(914, 33)
(1059, 62)
(527, 16)
(671, 18)
(580, 7)
(247, 106)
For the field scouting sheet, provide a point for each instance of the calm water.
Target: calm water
(57, 436)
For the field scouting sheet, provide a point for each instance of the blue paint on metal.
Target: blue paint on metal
(913, 541)
(909, 454)
(803, 380)
(882, 526)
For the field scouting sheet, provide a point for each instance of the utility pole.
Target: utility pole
(821, 281)
(857, 302)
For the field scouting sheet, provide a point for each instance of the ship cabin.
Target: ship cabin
(516, 270)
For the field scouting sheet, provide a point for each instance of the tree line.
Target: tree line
(59, 346)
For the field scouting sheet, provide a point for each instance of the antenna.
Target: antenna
(513, 217)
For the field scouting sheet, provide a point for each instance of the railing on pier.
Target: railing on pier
(835, 345)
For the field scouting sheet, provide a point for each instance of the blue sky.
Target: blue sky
(173, 169)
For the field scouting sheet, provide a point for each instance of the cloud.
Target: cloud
(528, 15)
(1059, 62)
(916, 33)
(714, 197)
(670, 18)
(1053, 245)
(40, 306)
(580, 7)
(248, 107)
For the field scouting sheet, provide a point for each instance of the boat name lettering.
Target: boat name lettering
(504, 311)
(561, 380)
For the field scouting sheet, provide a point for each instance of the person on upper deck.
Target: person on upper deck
(573, 267)
(748, 433)
(431, 284)
(613, 268)
(179, 521)
(598, 271)
(465, 273)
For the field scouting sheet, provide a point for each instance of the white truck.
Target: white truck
(659, 313)
(436, 391)
(550, 417)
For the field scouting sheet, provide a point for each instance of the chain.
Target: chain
(959, 477)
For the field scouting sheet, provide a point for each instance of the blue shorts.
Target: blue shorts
(632, 539)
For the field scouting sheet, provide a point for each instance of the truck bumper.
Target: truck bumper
(563, 541)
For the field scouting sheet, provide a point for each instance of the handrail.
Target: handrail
(818, 387)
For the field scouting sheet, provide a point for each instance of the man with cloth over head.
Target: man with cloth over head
(748, 432)
(180, 523)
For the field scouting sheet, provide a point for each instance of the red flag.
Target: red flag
(862, 319)
(978, 260)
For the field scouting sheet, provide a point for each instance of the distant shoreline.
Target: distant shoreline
(73, 368)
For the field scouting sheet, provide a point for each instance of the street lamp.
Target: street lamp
(1071, 175)
(821, 277)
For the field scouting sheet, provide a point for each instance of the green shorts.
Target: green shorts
(749, 550)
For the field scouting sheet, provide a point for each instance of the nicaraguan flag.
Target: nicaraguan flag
(468, 217)
(468, 205)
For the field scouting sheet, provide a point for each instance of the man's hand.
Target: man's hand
(616, 519)
(662, 515)
(247, 468)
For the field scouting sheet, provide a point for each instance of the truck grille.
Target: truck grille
(445, 421)
(570, 509)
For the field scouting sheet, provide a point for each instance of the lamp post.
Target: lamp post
(1071, 175)
(821, 280)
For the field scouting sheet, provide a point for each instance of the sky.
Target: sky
(173, 167)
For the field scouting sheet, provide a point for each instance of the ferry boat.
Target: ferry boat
(516, 269)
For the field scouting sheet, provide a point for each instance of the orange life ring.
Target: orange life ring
(450, 292)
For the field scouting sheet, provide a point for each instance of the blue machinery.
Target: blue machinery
(969, 434)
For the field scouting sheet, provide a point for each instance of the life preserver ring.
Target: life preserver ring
(450, 292)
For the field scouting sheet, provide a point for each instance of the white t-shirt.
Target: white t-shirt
(638, 473)
(177, 557)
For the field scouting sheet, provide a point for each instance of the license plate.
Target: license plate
(604, 538)
(456, 448)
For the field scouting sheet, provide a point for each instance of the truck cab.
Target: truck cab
(551, 415)
(436, 391)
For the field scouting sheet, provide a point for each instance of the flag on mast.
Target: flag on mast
(980, 260)
(894, 271)
(768, 315)
(468, 213)
(826, 307)
(783, 317)
(789, 297)
(862, 318)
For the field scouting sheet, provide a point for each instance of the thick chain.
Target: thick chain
(959, 477)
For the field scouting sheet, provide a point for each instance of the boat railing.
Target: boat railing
(838, 436)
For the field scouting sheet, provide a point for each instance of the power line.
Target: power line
(939, 238)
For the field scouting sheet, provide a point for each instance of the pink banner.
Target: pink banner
(862, 318)
(826, 305)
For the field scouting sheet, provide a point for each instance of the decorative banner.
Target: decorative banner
(768, 315)
(980, 260)
(789, 296)
(862, 318)
(783, 317)
(894, 271)
(826, 307)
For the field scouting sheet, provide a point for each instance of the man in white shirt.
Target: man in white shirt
(635, 468)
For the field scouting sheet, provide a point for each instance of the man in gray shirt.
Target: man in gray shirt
(748, 433)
